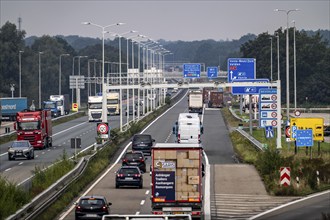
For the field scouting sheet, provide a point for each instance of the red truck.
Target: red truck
(34, 126)
(177, 172)
(215, 99)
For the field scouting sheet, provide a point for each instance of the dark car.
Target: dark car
(326, 131)
(129, 176)
(20, 149)
(134, 158)
(92, 207)
(142, 142)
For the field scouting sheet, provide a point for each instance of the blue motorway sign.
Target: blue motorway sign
(248, 90)
(304, 138)
(267, 107)
(164, 185)
(212, 72)
(269, 131)
(191, 70)
(241, 68)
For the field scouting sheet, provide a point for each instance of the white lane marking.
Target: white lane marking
(114, 164)
(20, 163)
(36, 155)
(142, 202)
(168, 137)
(48, 150)
(7, 169)
(137, 213)
(288, 204)
(56, 134)
(43, 153)
(147, 192)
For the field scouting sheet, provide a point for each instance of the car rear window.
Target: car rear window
(92, 201)
(129, 171)
(142, 138)
(135, 156)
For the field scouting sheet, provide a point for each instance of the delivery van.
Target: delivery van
(188, 128)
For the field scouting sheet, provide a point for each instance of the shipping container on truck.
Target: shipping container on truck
(215, 99)
(35, 126)
(195, 102)
(206, 91)
(177, 171)
(10, 106)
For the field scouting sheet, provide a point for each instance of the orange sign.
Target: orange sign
(75, 107)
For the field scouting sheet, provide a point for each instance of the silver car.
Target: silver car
(20, 149)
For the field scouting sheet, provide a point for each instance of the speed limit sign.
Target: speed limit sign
(102, 128)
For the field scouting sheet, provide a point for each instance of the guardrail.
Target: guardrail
(254, 141)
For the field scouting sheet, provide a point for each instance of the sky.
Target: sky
(171, 20)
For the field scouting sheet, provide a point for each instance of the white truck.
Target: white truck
(188, 128)
(63, 103)
(94, 108)
(113, 105)
(195, 101)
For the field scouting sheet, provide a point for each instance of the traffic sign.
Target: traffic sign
(77, 82)
(102, 128)
(304, 138)
(316, 124)
(191, 70)
(268, 107)
(212, 72)
(241, 68)
(269, 131)
(297, 113)
(285, 176)
(294, 132)
(75, 107)
(248, 90)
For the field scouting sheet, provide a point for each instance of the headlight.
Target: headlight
(11, 150)
(25, 150)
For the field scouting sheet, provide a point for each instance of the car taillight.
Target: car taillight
(195, 213)
(78, 208)
(104, 208)
(120, 175)
(137, 175)
(157, 213)
(141, 160)
(124, 160)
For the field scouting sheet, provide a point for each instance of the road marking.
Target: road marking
(168, 137)
(20, 163)
(36, 155)
(142, 202)
(48, 150)
(43, 153)
(7, 169)
(137, 213)
(147, 192)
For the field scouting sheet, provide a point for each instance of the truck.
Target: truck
(206, 91)
(195, 101)
(94, 108)
(215, 99)
(35, 125)
(52, 106)
(177, 171)
(63, 103)
(188, 128)
(113, 104)
(10, 106)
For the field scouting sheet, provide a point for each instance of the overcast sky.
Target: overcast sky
(169, 20)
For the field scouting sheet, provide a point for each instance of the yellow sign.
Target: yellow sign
(316, 124)
(74, 107)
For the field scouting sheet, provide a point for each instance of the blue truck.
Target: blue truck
(10, 106)
(52, 106)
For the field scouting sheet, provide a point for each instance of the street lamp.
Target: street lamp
(287, 60)
(40, 52)
(278, 55)
(294, 65)
(60, 72)
(20, 72)
(271, 59)
(104, 101)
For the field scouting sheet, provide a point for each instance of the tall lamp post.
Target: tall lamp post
(78, 89)
(278, 55)
(271, 59)
(60, 72)
(40, 52)
(287, 60)
(104, 101)
(294, 65)
(20, 72)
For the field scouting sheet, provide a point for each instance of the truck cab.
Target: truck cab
(52, 106)
(94, 108)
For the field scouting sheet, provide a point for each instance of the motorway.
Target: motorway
(235, 191)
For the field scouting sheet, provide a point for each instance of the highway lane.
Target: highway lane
(20, 170)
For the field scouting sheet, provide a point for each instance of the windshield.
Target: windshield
(60, 103)
(20, 144)
(112, 101)
(142, 138)
(135, 156)
(26, 126)
(128, 171)
(89, 202)
(95, 105)
(49, 105)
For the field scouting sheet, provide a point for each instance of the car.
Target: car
(92, 207)
(326, 131)
(129, 176)
(134, 158)
(20, 149)
(142, 142)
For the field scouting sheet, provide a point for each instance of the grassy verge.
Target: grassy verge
(268, 163)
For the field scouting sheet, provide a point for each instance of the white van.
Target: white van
(188, 128)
